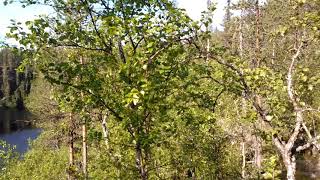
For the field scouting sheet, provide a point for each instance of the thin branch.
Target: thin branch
(304, 147)
(294, 135)
(290, 90)
(83, 47)
(278, 143)
(106, 5)
(311, 142)
(209, 77)
(132, 44)
(105, 128)
(307, 130)
(290, 78)
(81, 88)
(310, 136)
(121, 52)
(216, 100)
(135, 46)
(310, 109)
(95, 25)
(154, 55)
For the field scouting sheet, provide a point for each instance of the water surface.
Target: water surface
(16, 128)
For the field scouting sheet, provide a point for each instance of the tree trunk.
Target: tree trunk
(285, 150)
(273, 52)
(208, 39)
(71, 148)
(256, 62)
(241, 37)
(84, 138)
(243, 170)
(139, 163)
(290, 163)
(228, 37)
(258, 152)
(105, 129)
(84, 150)
(291, 170)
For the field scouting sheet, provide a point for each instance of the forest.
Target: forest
(14, 85)
(136, 89)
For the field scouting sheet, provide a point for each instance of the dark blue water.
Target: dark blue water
(16, 129)
(21, 138)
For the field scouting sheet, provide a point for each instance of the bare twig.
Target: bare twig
(311, 142)
(95, 26)
(310, 136)
(290, 78)
(290, 91)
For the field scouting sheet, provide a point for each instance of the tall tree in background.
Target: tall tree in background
(15, 85)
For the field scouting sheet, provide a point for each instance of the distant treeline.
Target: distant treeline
(14, 84)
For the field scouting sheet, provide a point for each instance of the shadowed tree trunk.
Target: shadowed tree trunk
(84, 138)
(71, 147)
(139, 162)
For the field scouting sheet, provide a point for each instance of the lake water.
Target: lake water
(16, 129)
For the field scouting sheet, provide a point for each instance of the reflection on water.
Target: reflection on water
(12, 120)
(16, 129)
